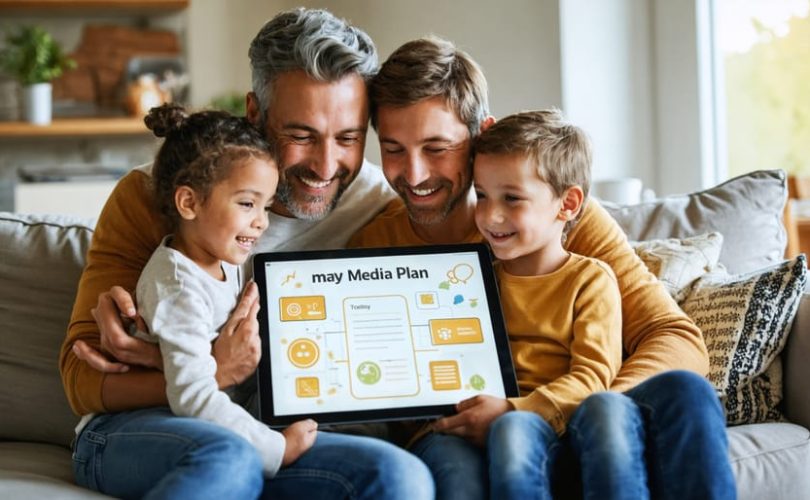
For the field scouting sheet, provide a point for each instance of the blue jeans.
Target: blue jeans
(516, 442)
(522, 449)
(459, 468)
(606, 437)
(676, 418)
(151, 453)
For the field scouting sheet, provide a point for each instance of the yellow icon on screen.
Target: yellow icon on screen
(306, 308)
(456, 331)
(303, 353)
(427, 300)
(444, 375)
(307, 387)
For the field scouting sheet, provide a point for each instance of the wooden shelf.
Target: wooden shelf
(67, 5)
(75, 127)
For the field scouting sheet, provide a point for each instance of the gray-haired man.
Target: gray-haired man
(309, 95)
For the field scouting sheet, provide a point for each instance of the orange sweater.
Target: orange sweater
(656, 335)
(128, 231)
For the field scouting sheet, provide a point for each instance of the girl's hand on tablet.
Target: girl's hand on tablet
(238, 348)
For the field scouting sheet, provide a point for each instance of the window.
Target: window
(763, 50)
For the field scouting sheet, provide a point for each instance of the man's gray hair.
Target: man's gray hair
(325, 47)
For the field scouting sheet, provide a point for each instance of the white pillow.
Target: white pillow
(678, 263)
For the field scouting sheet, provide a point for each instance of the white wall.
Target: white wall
(219, 34)
(680, 131)
(607, 83)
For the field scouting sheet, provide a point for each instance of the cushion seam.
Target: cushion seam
(770, 452)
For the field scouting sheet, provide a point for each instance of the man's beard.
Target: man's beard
(302, 209)
(427, 216)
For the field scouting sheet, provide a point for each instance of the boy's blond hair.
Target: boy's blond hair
(561, 150)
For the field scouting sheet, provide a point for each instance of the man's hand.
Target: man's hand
(300, 437)
(113, 309)
(474, 418)
(238, 347)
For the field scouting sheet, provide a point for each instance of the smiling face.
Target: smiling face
(225, 225)
(518, 213)
(320, 133)
(425, 150)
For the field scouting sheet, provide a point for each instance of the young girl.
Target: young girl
(214, 179)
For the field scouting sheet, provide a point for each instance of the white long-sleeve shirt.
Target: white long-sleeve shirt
(184, 308)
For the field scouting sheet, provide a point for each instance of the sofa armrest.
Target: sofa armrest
(797, 368)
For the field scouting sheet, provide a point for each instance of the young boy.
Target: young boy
(563, 311)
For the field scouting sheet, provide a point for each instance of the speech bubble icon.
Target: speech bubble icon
(460, 273)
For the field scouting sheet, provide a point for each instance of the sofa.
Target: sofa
(41, 258)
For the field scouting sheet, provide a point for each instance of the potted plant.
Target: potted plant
(34, 58)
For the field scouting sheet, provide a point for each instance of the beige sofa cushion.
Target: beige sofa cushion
(746, 210)
(41, 258)
(32, 470)
(770, 461)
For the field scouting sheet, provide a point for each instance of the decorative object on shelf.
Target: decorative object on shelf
(110, 58)
(144, 94)
(34, 58)
(232, 102)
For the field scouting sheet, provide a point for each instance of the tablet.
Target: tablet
(379, 334)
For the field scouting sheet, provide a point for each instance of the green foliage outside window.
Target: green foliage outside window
(768, 103)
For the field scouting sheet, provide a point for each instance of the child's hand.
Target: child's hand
(300, 437)
(238, 347)
(474, 418)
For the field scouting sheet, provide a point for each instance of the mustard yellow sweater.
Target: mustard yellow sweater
(565, 335)
(656, 335)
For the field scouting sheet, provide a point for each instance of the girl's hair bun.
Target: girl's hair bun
(166, 118)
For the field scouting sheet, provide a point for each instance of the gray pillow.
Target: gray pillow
(41, 259)
(746, 210)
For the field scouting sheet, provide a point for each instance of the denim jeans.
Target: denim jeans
(522, 449)
(606, 439)
(516, 441)
(459, 468)
(151, 453)
(677, 420)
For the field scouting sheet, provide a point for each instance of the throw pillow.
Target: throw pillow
(677, 263)
(745, 321)
(746, 210)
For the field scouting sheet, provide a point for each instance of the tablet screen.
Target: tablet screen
(379, 334)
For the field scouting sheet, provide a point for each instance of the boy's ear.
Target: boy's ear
(571, 203)
(488, 122)
(252, 108)
(186, 202)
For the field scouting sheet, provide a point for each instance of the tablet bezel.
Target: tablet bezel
(265, 390)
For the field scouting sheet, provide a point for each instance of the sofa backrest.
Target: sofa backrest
(746, 210)
(41, 259)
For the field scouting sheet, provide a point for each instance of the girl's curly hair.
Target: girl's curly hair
(198, 150)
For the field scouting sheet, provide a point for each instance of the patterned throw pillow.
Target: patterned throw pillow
(678, 263)
(745, 321)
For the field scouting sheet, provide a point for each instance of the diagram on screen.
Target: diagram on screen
(421, 337)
